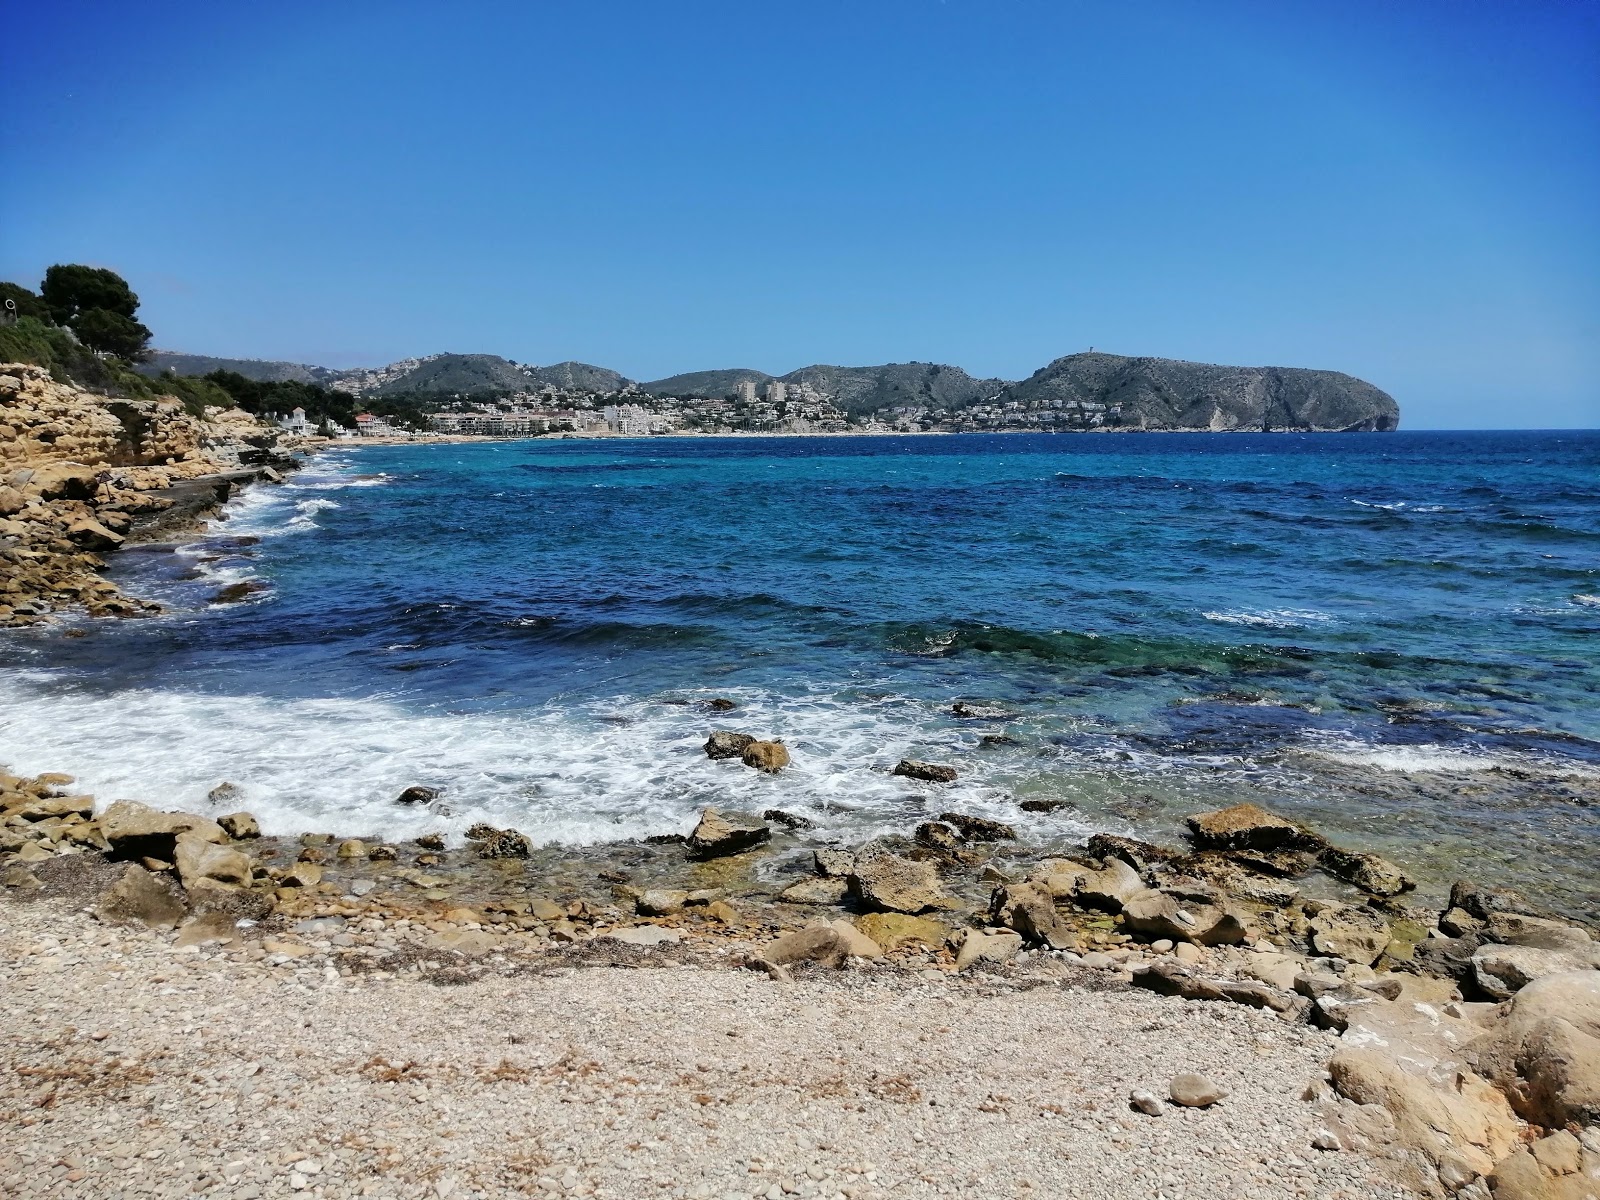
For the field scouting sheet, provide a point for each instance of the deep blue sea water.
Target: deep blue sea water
(1393, 637)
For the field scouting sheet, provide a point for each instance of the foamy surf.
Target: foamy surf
(1270, 618)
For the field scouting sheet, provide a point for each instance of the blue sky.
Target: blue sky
(1409, 192)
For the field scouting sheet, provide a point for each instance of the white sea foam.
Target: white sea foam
(1271, 618)
(601, 772)
(1431, 757)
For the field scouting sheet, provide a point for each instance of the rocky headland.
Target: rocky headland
(82, 474)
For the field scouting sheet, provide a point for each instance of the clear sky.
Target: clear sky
(1406, 191)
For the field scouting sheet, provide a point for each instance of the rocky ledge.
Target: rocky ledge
(82, 474)
(1467, 1051)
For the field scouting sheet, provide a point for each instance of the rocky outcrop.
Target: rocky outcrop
(720, 833)
(79, 471)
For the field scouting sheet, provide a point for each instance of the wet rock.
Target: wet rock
(661, 902)
(383, 853)
(1042, 806)
(883, 880)
(137, 895)
(718, 834)
(417, 794)
(724, 743)
(1516, 929)
(912, 768)
(890, 929)
(1029, 909)
(137, 831)
(815, 891)
(1350, 932)
(979, 829)
(987, 949)
(1194, 914)
(351, 848)
(224, 793)
(788, 820)
(1368, 872)
(1480, 901)
(239, 825)
(302, 875)
(970, 711)
(1545, 1054)
(1135, 853)
(1248, 827)
(505, 843)
(936, 835)
(833, 864)
(1501, 971)
(431, 841)
(769, 757)
(1195, 1091)
(205, 864)
(721, 704)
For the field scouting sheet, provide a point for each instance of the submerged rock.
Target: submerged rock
(891, 929)
(1248, 827)
(979, 829)
(417, 794)
(720, 833)
(1368, 872)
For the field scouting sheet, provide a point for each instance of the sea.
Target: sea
(1393, 638)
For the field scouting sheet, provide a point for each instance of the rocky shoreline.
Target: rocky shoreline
(1467, 1056)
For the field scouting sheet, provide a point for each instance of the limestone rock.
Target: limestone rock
(92, 535)
(1557, 1167)
(137, 831)
(887, 881)
(936, 835)
(1517, 929)
(820, 944)
(1502, 971)
(769, 757)
(1545, 1054)
(1480, 901)
(239, 826)
(1193, 914)
(1146, 1102)
(471, 943)
(1369, 872)
(815, 891)
(913, 768)
(1248, 827)
(1111, 887)
(202, 863)
(1350, 932)
(720, 833)
(505, 843)
(303, 874)
(660, 902)
(890, 929)
(979, 829)
(1195, 1091)
(788, 820)
(724, 743)
(987, 949)
(833, 864)
(856, 944)
(137, 895)
(1029, 909)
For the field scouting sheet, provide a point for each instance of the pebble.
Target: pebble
(1146, 1102)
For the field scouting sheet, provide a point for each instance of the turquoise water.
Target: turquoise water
(1395, 637)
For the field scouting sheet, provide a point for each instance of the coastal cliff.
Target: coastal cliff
(1168, 394)
(81, 473)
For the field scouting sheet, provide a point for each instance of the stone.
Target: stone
(304, 874)
(1276, 970)
(136, 830)
(17, 876)
(239, 825)
(44, 808)
(718, 834)
(1059, 876)
(1188, 953)
(1518, 929)
(1248, 827)
(505, 843)
(431, 841)
(1029, 909)
(1135, 853)
(351, 848)
(1545, 1053)
(646, 935)
(787, 819)
(1195, 1091)
(1501, 971)
(979, 829)
(417, 794)
(1372, 874)
(1456, 922)
(1145, 1102)
(1194, 914)
(768, 757)
(1167, 978)
(833, 864)
(820, 944)
(1350, 932)
(204, 864)
(137, 895)
(224, 793)
(472, 943)
(720, 704)
(936, 835)
(92, 535)
(1480, 901)
(1109, 888)
(856, 944)
(887, 881)
(987, 949)
(660, 902)
(913, 768)
(890, 929)
(724, 743)
(1556, 1167)
(815, 891)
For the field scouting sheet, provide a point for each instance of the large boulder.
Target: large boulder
(1029, 909)
(92, 535)
(884, 880)
(137, 831)
(205, 864)
(1192, 914)
(891, 929)
(1372, 874)
(1351, 932)
(1502, 971)
(137, 895)
(719, 833)
(239, 825)
(1248, 827)
(1558, 1167)
(1479, 900)
(770, 757)
(987, 949)
(1109, 888)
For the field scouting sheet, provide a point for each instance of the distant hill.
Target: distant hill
(162, 361)
(710, 384)
(450, 373)
(862, 389)
(1165, 393)
(579, 377)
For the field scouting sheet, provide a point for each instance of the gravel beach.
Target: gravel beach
(135, 1067)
